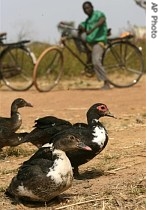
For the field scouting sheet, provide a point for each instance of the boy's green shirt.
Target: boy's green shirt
(99, 34)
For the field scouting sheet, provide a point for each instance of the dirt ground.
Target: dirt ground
(115, 179)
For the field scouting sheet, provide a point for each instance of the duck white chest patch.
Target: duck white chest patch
(61, 170)
(19, 116)
(99, 134)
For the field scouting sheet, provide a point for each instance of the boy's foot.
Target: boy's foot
(106, 86)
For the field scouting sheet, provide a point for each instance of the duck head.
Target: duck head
(20, 102)
(98, 110)
(69, 142)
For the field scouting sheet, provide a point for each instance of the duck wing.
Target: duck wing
(31, 177)
(45, 128)
(5, 122)
(50, 121)
(38, 165)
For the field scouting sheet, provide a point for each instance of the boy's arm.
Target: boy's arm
(97, 25)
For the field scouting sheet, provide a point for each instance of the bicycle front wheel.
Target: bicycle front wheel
(48, 69)
(16, 65)
(123, 63)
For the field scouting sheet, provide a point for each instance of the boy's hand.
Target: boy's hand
(81, 29)
(90, 31)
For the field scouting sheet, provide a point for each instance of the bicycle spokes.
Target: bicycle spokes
(123, 63)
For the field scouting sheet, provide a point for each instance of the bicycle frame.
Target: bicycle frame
(63, 42)
(110, 42)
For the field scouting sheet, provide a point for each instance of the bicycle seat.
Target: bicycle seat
(126, 35)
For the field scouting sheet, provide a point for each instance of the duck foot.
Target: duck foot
(76, 173)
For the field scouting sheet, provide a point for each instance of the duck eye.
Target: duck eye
(71, 137)
(102, 108)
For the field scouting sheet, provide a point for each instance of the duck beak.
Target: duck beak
(81, 145)
(28, 104)
(108, 113)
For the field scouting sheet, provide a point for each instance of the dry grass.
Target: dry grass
(115, 179)
(126, 187)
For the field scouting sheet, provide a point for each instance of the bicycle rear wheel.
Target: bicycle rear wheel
(48, 69)
(123, 63)
(16, 65)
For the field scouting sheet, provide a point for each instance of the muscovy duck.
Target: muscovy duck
(93, 134)
(14, 122)
(45, 128)
(10, 138)
(47, 173)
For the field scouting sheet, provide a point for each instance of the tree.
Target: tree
(141, 3)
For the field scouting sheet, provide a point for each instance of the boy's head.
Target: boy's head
(87, 8)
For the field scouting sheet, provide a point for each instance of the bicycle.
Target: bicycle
(16, 64)
(122, 60)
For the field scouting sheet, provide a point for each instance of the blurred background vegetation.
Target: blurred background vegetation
(72, 67)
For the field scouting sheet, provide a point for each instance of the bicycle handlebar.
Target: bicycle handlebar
(3, 36)
(63, 25)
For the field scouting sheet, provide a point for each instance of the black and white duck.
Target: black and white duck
(10, 138)
(47, 173)
(14, 121)
(92, 133)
